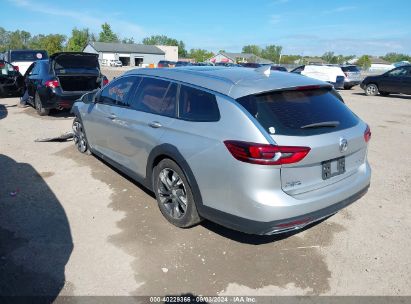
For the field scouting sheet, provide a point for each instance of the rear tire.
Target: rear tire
(39, 106)
(79, 136)
(371, 89)
(174, 196)
(347, 87)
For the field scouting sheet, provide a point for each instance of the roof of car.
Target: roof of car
(235, 82)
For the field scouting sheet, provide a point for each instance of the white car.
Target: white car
(330, 74)
(22, 59)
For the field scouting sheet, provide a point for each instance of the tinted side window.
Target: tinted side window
(399, 72)
(36, 69)
(6, 68)
(151, 97)
(197, 105)
(118, 91)
(298, 70)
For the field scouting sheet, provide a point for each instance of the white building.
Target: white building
(128, 54)
(171, 52)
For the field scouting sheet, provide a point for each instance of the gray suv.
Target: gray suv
(258, 152)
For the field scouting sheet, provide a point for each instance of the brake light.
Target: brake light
(52, 84)
(16, 68)
(367, 134)
(263, 154)
(105, 81)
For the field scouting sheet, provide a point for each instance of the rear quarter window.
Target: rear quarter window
(197, 105)
(286, 112)
(350, 69)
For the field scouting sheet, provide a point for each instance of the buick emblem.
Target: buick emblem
(343, 145)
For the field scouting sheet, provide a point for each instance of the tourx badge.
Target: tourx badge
(343, 145)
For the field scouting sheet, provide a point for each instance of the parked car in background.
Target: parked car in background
(202, 64)
(22, 59)
(278, 68)
(330, 74)
(251, 65)
(11, 80)
(352, 76)
(227, 64)
(57, 82)
(166, 64)
(395, 81)
(115, 63)
(182, 63)
(257, 152)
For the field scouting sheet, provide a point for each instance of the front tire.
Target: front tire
(371, 89)
(174, 195)
(39, 106)
(79, 136)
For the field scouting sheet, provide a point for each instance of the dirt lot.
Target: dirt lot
(71, 225)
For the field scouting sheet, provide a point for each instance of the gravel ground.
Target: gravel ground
(71, 225)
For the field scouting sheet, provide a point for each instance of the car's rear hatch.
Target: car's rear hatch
(76, 72)
(352, 72)
(316, 118)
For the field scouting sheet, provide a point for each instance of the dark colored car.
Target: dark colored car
(166, 64)
(183, 63)
(11, 81)
(251, 65)
(227, 64)
(278, 68)
(56, 83)
(395, 81)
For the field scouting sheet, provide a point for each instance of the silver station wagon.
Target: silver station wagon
(259, 151)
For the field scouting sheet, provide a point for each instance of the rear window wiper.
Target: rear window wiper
(324, 124)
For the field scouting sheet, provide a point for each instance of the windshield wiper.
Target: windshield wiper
(324, 124)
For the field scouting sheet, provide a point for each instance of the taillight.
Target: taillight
(105, 81)
(16, 68)
(263, 154)
(52, 84)
(367, 134)
(346, 74)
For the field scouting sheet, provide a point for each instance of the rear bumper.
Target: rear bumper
(279, 226)
(351, 83)
(59, 100)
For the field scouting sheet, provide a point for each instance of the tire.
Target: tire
(79, 136)
(384, 93)
(174, 195)
(371, 89)
(39, 106)
(347, 87)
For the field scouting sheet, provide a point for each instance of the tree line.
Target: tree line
(79, 38)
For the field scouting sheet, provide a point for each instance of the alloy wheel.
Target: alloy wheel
(172, 193)
(79, 137)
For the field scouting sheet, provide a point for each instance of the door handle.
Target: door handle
(112, 116)
(155, 124)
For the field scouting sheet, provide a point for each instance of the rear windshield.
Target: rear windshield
(290, 112)
(28, 55)
(351, 68)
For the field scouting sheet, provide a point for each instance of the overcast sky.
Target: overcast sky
(301, 26)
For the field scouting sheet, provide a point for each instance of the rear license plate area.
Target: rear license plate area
(333, 167)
